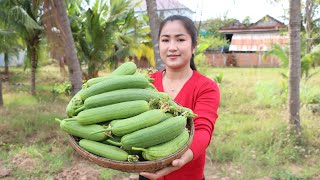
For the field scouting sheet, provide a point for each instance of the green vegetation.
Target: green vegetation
(251, 131)
(250, 139)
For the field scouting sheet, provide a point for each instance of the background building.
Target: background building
(247, 43)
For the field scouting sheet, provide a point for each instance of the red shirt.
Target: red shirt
(202, 95)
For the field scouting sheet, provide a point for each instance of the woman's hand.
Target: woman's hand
(175, 165)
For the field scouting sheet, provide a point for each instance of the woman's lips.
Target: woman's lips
(173, 56)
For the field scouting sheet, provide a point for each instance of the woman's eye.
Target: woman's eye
(164, 40)
(180, 40)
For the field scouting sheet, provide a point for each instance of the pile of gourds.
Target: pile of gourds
(122, 116)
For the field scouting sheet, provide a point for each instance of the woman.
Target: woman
(177, 44)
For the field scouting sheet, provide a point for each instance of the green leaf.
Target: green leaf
(19, 15)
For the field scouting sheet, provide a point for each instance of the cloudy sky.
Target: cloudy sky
(238, 9)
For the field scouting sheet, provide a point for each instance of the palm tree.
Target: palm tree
(294, 66)
(310, 23)
(154, 26)
(63, 23)
(1, 98)
(10, 45)
(134, 40)
(102, 33)
(24, 17)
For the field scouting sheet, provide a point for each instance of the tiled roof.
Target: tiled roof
(267, 23)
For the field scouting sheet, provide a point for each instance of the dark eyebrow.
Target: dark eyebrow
(180, 35)
(177, 35)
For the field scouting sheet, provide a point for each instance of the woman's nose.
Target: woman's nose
(173, 46)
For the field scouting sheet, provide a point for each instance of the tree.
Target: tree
(24, 17)
(310, 23)
(63, 23)
(104, 34)
(10, 44)
(212, 26)
(1, 99)
(294, 66)
(246, 21)
(154, 23)
(143, 47)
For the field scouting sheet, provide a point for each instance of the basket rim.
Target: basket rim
(140, 166)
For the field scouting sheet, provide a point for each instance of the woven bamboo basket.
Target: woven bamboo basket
(141, 166)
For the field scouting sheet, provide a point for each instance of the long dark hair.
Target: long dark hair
(191, 29)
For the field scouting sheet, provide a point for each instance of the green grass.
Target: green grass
(46, 161)
(250, 133)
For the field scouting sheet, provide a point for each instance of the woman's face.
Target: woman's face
(175, 45)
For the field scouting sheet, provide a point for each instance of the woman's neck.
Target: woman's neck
(173, 80)
(171, 74)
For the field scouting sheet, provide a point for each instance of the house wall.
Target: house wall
(13, 60)
(241, 60)
(217, 59)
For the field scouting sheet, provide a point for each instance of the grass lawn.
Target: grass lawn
(250, 139)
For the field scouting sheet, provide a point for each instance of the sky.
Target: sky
(237, 9)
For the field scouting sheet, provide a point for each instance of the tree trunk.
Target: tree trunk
(154, 23)
(33, 56)
(75, 74)
(295, 66)
(93, 69)
(6, 65)
(1, 99)
(308, 20)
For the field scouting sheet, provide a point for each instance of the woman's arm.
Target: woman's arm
(206, 107)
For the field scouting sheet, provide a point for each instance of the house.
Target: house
(249, 42)
(167, 8)
(13, 60)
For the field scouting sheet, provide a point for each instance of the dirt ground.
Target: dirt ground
(83, 170)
